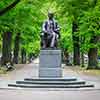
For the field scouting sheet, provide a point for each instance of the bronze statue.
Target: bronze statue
(50, 32)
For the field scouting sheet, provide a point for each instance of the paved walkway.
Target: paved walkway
(48, 95)
(31, 71)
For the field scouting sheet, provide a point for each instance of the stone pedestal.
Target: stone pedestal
(50, 64)
(50, 75)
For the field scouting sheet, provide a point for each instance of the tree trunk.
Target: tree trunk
(82, 58)
(66, 55)
(82, 51)
(76, 44)
(93, 54)
(23, 56)
(6, 49)
(93, 51)
(30, 56)
(16, 48)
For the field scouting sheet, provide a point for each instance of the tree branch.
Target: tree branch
(95, 2)
(9, 7)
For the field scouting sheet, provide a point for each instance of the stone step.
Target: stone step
(51, 82)
(51, 86)
(51, 79)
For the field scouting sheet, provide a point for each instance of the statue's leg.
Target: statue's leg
(56, 40)
(53, 40)
(56, 43)
(43, 42)
(48, 42)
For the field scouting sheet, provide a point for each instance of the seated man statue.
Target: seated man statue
(50, 32)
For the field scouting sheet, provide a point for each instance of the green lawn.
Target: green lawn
(92, 72)
(3, 70)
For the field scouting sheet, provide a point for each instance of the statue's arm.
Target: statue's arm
(57, 29)
(44, 30)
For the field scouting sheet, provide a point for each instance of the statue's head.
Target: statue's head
(50, 15)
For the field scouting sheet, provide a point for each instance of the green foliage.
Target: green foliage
(23, 19)
(0, 42)
(27, 17)
(89, 26)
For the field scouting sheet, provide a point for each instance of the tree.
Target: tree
(7, 38)
(16, 48)
(15, 21)
(9, 7)
(90, 26)
(76, 43)
(93, 51)
(78, 20)
(6, 49)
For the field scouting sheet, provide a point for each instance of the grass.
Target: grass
(92, 72)
(3, 70)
